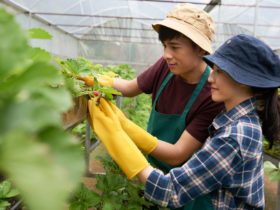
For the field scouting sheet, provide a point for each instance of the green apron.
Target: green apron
(170, 127)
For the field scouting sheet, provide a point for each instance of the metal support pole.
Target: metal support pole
(278, 197)
(256, 17)
(118, 101)
(87, 146)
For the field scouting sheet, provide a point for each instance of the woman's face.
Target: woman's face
(225, 89)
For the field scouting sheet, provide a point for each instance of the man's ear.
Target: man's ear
(201, 52)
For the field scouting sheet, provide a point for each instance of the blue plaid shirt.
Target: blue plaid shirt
(229, 167)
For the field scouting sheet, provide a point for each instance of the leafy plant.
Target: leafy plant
(137, 109)
(274, 151)
(38, 33)
(272, 170)
(124, 71)
(6, 192)
(114, 191)
(81, 69)
(41, 160)
(83, 199)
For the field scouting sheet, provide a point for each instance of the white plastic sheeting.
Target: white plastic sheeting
(61, 44)
(119, 31)
(260, 18)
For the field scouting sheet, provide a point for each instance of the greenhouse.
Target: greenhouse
(76, 132)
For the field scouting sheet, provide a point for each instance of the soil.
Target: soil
(270, 194)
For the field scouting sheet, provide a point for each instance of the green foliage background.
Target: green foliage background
(39, 158)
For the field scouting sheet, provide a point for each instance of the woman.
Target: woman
(229, 167)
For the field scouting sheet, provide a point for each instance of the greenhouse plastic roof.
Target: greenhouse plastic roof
(130, 20)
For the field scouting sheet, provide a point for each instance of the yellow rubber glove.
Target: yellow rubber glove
(144, 140)
(120, 147)
(105, 81)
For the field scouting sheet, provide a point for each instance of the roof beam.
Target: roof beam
(91, 15)
(211, 5)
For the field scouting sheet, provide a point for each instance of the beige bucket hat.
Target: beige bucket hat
(191, 21)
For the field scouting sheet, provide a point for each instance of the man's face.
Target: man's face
(181, 55)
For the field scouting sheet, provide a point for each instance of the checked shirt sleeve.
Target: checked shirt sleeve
(200, 175)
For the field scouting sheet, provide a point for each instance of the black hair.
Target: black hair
(268, 108)
(166, 33)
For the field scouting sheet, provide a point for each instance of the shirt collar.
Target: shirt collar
(225, 118)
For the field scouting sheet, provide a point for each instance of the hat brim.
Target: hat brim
(188, 30)
(239, 74)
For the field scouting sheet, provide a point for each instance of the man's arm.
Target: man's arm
(128, 88)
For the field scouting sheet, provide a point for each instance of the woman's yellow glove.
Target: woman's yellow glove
(105, 81)
(118, 144)
(144, 140)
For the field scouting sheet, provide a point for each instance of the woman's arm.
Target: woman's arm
(176, 154)
(204, 172)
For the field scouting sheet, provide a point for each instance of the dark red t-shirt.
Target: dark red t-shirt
(175, 96)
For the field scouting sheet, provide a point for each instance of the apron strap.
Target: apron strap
(196, 91)
(194, 95)
(166, 80)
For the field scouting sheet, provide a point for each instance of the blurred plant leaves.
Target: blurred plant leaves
(272, 171)
(44, 162)
(38, 33)
(13, 45)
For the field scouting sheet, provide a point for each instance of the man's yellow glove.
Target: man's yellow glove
(144, 140)
(118, 144)
(105, 81)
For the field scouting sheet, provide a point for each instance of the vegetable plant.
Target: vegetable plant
(272, 170)
(114, 191)
(42, 161)
(82, 78)
(6, 193)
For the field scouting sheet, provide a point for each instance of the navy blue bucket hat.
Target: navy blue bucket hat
(248, 61)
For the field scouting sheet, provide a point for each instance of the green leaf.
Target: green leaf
(5, 187)
(72, 158)
(31, 92)
(274, 176)
(12, 193)
(108, 206)
(4, 204)
(102, 183)
(37, 75)
(38, 33)
(6, 190)
(39, 54)
(13, 45)
(269, 166)
(29, 115)
(272, 171)
(43, 183)
(84, 199)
